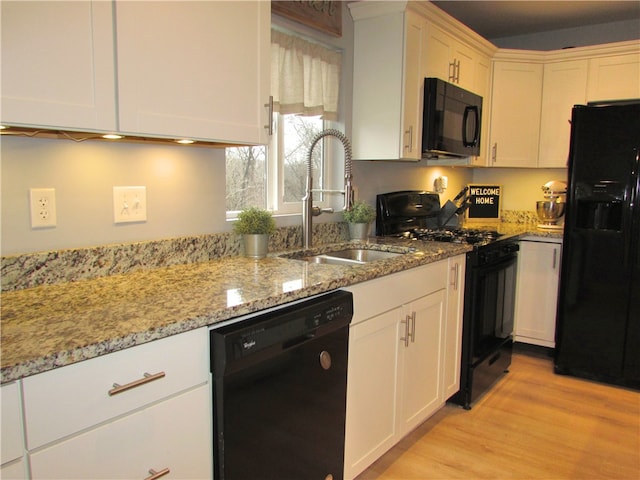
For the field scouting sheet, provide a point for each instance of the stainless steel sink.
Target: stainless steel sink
(350, 256)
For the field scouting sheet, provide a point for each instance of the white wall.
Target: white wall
(185, 191)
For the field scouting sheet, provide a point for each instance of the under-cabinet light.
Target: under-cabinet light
(112, 136)
(185, 141)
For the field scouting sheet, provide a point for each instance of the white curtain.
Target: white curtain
(305, 77)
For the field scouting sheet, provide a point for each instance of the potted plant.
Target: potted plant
(359, 218)
(255, 225)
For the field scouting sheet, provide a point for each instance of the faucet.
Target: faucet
(308, 210)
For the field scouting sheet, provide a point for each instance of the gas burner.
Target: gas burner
(454, 235)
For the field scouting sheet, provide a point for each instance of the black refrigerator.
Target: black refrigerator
(598, 318)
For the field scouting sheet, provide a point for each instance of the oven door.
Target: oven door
(494, 290)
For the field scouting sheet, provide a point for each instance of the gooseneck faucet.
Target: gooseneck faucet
(308, 210)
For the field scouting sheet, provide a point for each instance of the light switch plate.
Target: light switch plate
(129, 204)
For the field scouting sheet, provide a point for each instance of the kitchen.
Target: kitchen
(180, 180)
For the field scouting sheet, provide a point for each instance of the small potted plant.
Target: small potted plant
(255, 225)
(359, 218)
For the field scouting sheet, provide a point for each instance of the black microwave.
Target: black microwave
(451, 120)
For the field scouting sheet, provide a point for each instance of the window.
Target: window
(274, 177)
(305, 81)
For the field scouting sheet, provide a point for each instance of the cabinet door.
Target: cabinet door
(614, 78)
(452, 345)
(58, 65)
(565, 85)
(11, 425)
(537, 292)
(420, 367)
(515, 114)
(438, 54)
(194, 69)
(174, 434)
(483, 88)
(371, 393)
(413, 88)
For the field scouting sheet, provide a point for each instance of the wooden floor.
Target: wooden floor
(532, 425)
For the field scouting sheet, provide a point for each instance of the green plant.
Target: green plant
(254, 220)
(360, 213)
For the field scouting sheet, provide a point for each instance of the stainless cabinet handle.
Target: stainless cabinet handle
(409, 132)
(452, 71)
(454, 270)
(269, 107)
(407, 334)
(456, 78)
(155, 474)
(555, 258)
(413, 327)
(494, 152)
(136, 383)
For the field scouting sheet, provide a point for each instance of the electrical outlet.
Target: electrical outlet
(42, 202)
(129, 204)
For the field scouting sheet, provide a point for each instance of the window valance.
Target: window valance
(305, 76)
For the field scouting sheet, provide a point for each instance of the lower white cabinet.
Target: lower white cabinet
(537, 291)
(127, 414)
(452, 347)
(173, 436)
(399, 357)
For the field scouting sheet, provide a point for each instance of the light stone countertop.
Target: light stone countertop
(50, 326)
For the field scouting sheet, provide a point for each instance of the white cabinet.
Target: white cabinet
(58, 67)
(388, 82)
(516, 98)
(172, 435)
(537, 291)
(159, 69)
(452, 335)
(194, 69)
(404, 337)
(614, 77)
(451, 60)
(564, 85)
(122, 414)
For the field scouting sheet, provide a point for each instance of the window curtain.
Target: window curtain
(305, 77)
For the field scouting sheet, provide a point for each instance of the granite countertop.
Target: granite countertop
(50, 326)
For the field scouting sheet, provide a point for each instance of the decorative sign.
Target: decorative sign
(325, 16)
(485, 203)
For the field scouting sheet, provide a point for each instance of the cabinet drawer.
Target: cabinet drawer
(380, 295)
(173, 434)
(72, 398)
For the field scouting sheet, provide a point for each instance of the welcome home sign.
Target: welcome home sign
(485, 203)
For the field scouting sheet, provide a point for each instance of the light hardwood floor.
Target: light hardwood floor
(532, 425)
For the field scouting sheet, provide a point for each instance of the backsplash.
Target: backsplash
(46, 268)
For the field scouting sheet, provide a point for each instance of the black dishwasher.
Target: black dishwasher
(279, 391)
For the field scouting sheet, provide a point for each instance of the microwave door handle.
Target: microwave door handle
(476, 130)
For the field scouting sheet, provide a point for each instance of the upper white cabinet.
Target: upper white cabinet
(159, 69)
(451, 60)
(194, 69)
(58, 67)
(533, 94)
(388, 82)
(614, 77)
(564, 85)
(396, 46)
(515, 113)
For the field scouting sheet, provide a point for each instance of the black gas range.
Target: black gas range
(490, 281)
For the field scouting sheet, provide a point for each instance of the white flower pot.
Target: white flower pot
(256, 245)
